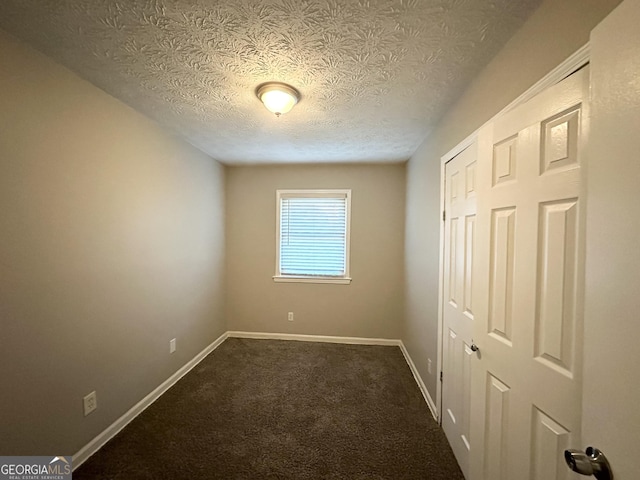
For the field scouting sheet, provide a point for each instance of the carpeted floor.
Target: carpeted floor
(269, 409)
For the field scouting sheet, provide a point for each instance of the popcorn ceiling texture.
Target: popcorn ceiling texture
(374, 75)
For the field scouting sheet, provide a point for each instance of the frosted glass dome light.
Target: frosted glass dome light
(278, 97)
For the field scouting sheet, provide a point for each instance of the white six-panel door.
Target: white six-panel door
(528, 288)
(459, 233)
(611, 394)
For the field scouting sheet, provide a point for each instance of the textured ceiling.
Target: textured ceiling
(375, 75)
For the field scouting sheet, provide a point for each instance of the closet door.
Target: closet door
(528, 287)
(459, 234)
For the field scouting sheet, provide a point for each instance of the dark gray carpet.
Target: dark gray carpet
(268, 409)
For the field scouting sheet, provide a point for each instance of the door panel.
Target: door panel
(528, 284)
(501, 274)
(496, 431)
(459, 228)
(548, 438)
(556, 290)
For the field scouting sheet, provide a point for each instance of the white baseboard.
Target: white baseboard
(98, 442)
(314, 338)
(423, 388)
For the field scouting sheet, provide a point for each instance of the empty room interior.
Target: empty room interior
(148, 208)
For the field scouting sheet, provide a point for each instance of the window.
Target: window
(313, 236)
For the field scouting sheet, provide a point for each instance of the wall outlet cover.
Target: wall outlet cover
(90, 403)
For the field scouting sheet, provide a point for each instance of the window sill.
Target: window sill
(301, 279)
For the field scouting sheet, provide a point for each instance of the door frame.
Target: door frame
(573, 63)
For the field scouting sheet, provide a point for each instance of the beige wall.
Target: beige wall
(111, 244)
(371, 306)
(555, 31)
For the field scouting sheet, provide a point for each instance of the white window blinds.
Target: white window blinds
(313, 233)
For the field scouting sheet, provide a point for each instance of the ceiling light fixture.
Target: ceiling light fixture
(278, 97)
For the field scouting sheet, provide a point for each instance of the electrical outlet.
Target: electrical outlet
(429, 366)
(90, 402)
(172, 345)
(290, 316)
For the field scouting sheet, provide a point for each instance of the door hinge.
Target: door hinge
(440, 375)
(444, 215)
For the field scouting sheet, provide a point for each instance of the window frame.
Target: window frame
(314, 193)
